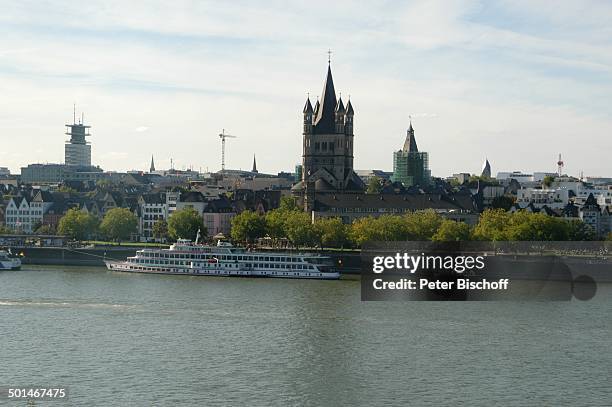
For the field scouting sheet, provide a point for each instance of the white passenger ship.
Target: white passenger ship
(9, 262)
(187, 258)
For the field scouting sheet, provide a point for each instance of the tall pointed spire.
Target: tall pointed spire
(486, 169)
(307, 106)
(254, 165)
(152, 169)
(325, 119)
(349, 107)
(340, 106)
(410, 144)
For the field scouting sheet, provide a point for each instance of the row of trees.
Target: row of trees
(288, 222)
(120, 224)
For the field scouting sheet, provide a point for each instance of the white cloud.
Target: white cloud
(188, 69)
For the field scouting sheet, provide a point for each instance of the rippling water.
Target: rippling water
(138, 340)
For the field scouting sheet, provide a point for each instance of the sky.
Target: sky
(517, 81)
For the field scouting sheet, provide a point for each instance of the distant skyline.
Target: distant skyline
(517, 82)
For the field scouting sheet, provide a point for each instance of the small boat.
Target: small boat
(8, 261)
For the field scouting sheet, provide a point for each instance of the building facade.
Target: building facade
(77, 149)
(151, 209)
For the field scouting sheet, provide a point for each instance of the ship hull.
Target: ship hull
(128, 267)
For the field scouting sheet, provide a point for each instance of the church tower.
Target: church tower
(327, 159)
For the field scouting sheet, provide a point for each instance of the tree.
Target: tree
(185, 223)
(609, 237)
(492, 225)
(4, 230)
(160, 229)
(77, 224)
(362, 230)
(248, 226)
(300, 229)
(275, 223)
(548, 180)
(580, 231)
(44, 230)
(332, 232)
(502, 202)
(452, 231)
(288, 203)
(119, 224)
(422, 225)
(375, 185)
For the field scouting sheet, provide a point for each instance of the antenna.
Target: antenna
(82, 118)
(223, 136)
(560, 165)
(74, 113)
(329, 52)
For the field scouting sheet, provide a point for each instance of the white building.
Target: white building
(77, 149)
(602, 194)
(555, 198)
(152, 208)
(23, 215)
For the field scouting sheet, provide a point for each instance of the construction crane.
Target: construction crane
(223, 136)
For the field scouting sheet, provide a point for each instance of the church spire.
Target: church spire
(254, 165)
(410, 144)
(152, 168)
(307, 106)
(325, 119)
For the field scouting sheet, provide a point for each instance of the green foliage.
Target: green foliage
(422, 225)
(248, 226)
(275, 223)
(332, 232)
(104, 184)
(300, 230)
(502, 202)
(119, 224)
(288, 203)
(184, 224)
(44, 230)
(4, 230)
(160, 229)
(498, 225)
(375, 185)
(580, 231)
(454, 182)
(412, 226)
(609, 237)
(492, 225)
(548, 180)
(276, 219)
(526, 226)
(67, 189)
(452, 231)
(77, 224)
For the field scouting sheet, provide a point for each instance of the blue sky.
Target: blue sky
(515, 81)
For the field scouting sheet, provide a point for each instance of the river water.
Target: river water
(140, 340)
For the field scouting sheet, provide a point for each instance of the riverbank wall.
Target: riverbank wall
(347, 262)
